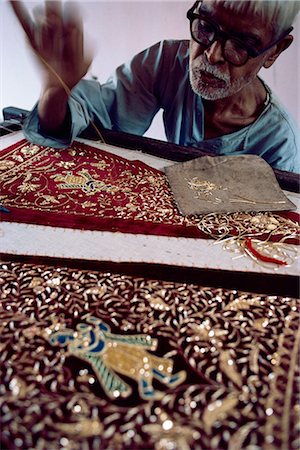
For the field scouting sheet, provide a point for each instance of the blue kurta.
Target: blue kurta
(159, 78)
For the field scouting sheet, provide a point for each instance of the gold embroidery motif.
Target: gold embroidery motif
(6, 164)
(48, 199)
(219, 409)
(28, 187)
(66, 164)
(18, 158)
(30, 150)
(202, 187)
(205, 189)
(82, 428)
(126, 354)
(83, 181)
(100, 165)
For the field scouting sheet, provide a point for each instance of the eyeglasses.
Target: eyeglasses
(205, 32)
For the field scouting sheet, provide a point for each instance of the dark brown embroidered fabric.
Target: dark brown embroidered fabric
(93, 360)
(226, 184)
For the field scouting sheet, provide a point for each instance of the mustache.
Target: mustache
(203, 66)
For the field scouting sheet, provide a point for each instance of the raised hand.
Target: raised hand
(55, 33)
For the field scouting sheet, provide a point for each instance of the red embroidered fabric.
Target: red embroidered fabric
(87, 188)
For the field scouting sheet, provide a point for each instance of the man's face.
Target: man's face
(211, 76)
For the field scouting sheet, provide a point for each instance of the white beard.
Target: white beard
(210, 92)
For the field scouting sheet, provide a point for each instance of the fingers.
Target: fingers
(23, 16)
(54, 14)
(48, 29)
(72, 15)
(53, 7)
(73, 32)
(55, 33)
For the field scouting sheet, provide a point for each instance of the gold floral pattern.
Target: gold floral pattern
(6, 164)
(86, 181)
(30, 150)
(205, 189)
(239, 350)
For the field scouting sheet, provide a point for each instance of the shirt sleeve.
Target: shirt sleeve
(128, 101)
(276, 138)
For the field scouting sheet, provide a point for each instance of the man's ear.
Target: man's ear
(278, 48)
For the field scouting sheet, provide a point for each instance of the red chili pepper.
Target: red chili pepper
(261, 256)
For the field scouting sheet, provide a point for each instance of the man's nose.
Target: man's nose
(214, 53)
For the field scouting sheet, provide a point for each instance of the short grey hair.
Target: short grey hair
(280, 14)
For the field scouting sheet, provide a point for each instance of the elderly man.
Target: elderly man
(209, 89)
